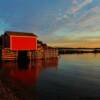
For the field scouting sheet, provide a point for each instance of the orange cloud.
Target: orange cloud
(76, 44)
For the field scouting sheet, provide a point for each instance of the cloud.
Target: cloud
(67, 17)
(75, 8)
(88, 21)
(81, 30)
(74, 2)
(78, 42)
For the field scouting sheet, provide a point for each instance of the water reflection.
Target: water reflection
(22, 77)
(73, 77)
(77, 77)
(27, 73)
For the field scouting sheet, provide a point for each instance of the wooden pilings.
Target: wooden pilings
(46, 53)
(7, 54)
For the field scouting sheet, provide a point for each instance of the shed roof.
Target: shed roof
(19, 33)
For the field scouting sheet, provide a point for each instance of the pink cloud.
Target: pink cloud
(75, 2)
(75, 9)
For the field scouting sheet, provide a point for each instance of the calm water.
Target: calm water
(69, 77)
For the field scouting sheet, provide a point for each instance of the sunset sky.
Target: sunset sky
(64, 23)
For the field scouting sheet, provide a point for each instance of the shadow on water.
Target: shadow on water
(23, 65)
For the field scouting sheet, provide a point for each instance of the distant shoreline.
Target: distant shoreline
(78, 50)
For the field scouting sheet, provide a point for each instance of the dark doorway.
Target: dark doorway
(23, 56)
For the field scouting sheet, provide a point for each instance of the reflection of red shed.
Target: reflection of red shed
(27, 77)
(19, 41)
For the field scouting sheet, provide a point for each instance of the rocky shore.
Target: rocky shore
(6, 93)
(10, 91)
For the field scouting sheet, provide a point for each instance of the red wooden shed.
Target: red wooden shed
(19, 41)
(15, 44)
